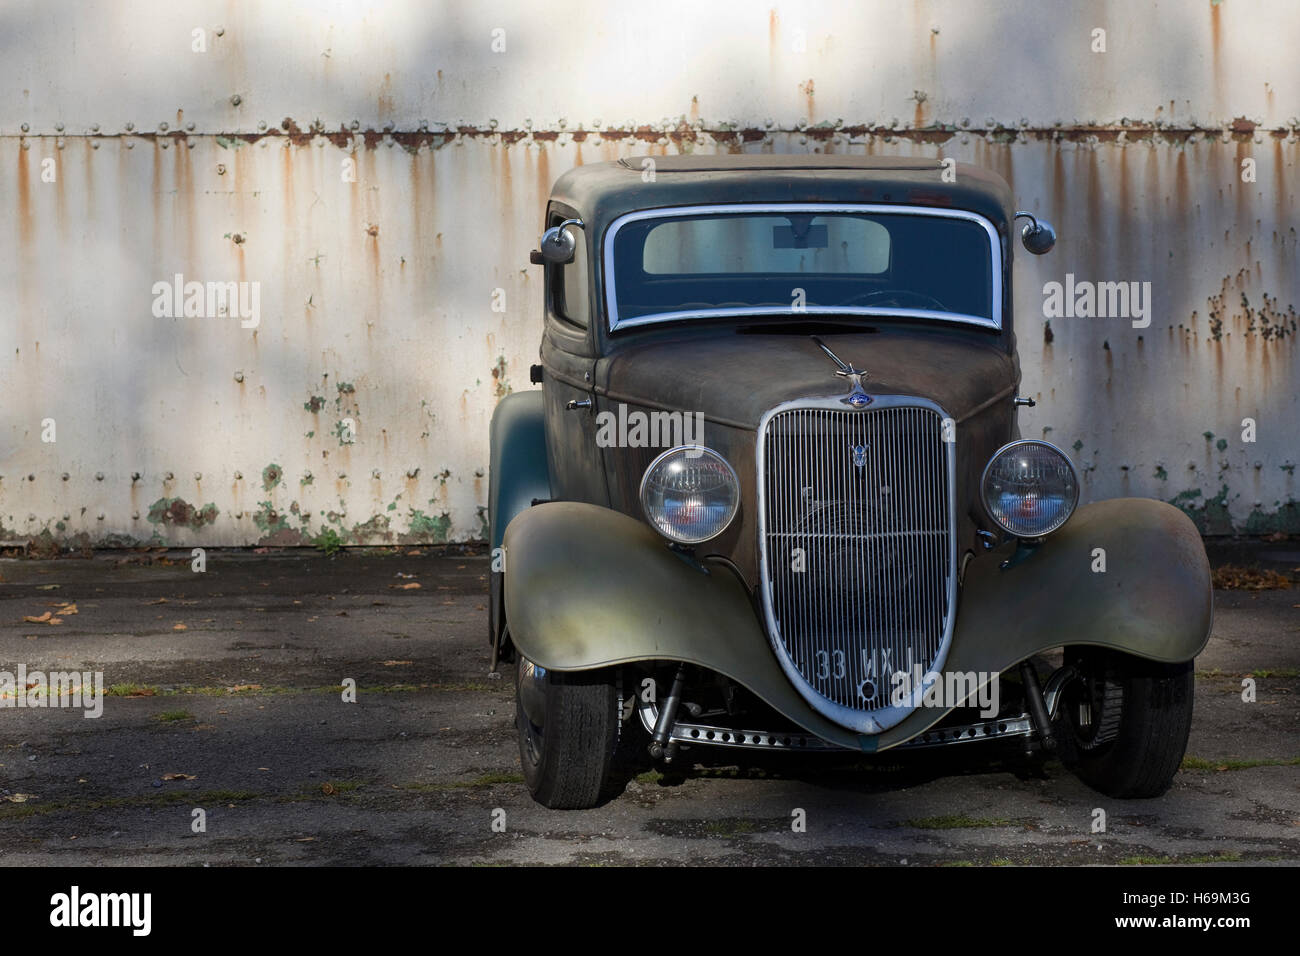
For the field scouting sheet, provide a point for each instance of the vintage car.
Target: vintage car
(772, 494)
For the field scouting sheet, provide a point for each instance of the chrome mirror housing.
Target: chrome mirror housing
(1038, 235)
(558, 244)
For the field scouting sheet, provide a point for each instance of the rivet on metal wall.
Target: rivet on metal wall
(26, 145)
(25, 128)
(306, 475)
(99, 476)
(355, 124)
(342, 475)
(261, 127)
(168, 476)
(221, 169)
(31, 477)
(412, 472)
(190, 127)
(67, 516)
(31, 517)
(239, 476)
(239, 376)
(219, 31)
(164, 143)
(236, 100)
(58, 127)
(135, 516)
(130, 127)
(162, 127)
(94, 127)
(198, 476)
(135, 476)
(100, 516)
(239, 514)
(374, 473)
(66, 476)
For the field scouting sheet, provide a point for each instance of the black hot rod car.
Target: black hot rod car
(772, 493)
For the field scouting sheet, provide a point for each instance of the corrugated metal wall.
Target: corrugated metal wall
(397, 308)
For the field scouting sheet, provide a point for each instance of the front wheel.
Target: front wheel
(568, 730)
(1124, 721)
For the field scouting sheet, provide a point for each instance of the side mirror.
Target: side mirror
(558, 244)
(1038, 235)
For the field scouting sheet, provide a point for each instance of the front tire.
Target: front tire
(568, 730)
(1124, 721)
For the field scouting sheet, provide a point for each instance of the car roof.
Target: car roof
(601, 192)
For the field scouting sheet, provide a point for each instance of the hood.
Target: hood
(734, 376)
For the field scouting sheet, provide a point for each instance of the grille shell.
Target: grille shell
(869, 497)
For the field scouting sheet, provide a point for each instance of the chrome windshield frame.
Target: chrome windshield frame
(614, 323)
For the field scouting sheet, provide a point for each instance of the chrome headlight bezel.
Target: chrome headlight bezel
(1071, 504)
(661, 529)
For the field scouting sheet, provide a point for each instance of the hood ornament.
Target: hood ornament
(857, 397)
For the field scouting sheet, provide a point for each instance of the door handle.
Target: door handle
(573, 403)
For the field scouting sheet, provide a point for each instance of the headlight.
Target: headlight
(690, 494)
(1030, 488)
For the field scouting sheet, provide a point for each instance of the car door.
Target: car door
(568, 360)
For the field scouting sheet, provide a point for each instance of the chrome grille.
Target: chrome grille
(862, 501)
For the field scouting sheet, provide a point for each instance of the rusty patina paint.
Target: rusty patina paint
(176, 512)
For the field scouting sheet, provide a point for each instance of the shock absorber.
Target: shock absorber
(661, 743)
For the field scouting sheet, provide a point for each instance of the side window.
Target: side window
(569, 284)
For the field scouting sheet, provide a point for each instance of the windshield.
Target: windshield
(669, 265)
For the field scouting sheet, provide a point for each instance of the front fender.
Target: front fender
(1154, 599)
(588, 587)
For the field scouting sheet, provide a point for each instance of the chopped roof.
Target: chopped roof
(601, 192)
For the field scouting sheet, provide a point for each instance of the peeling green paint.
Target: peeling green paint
(503, 387)
(179, 513)
(376, 527)
(268, 520)
(1221, 444)
(1285, 520)
(306, 479)
(314, 404)
(1160, 473)
(1212, 517)
(272, 475)
(423, 529)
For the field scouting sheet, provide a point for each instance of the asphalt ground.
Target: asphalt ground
(225, 696)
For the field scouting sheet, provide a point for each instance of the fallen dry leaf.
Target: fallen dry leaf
(411, 586)
(304, 840)
(327, 789)
(19, 797)
(64, 610)
(396, 663)
(48, 587)
(238, 687)
(1231, 577)
(179, 776)
(180, 627)
(159, 601)
(38, 620)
